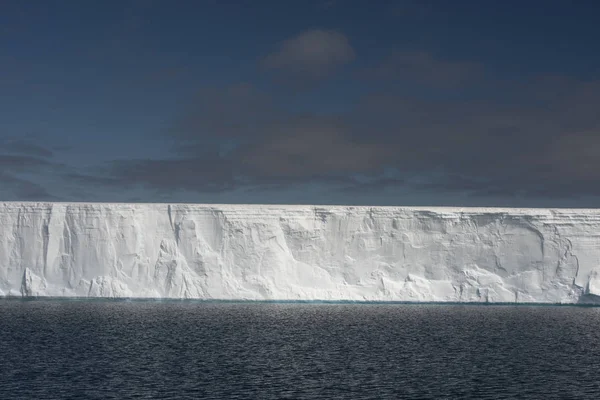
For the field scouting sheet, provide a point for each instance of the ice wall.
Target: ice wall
(299, 252)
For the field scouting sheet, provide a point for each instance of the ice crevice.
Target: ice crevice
(294, 252)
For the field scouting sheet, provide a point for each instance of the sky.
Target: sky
(388, 102)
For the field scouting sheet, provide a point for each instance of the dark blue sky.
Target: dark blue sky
(351, 102)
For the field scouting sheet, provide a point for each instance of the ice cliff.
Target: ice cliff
(299, 252)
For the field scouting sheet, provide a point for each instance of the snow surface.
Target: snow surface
(282, 252)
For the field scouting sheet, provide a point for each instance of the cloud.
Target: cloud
(577, 154)
(309, 146)
(20, 155)
(200, 174)
(236, 111)
(20, 146)
(16, 162)
(310, 55)
(24, 164)
(239, 137)
(197, 174)
(534, 144)
(526, 142)
(15, 188)
(426, 69)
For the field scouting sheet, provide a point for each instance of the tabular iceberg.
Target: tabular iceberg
(278, 252)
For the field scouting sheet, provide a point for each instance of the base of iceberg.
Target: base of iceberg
(300, 253)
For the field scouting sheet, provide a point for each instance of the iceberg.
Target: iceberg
(297, 252)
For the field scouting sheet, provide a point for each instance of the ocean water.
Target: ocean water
(195, 350)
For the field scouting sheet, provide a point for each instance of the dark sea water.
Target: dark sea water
(194, 350)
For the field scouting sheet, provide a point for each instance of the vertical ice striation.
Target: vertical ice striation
(299, 252)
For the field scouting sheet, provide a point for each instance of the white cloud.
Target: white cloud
(312, 54)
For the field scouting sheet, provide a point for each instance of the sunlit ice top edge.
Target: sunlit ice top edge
(490, 209)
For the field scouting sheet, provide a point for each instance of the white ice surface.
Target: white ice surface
(299, 252)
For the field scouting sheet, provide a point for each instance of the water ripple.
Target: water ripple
(146, 350)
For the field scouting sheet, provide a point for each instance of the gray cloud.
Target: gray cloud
(24, 164)
(543, 144)
(20, 146)
(310, 55)
(426, 69)
(21, 162)
(309, 146)
(23, 156)
(200, 174)
(536, 139)
(15, 188)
